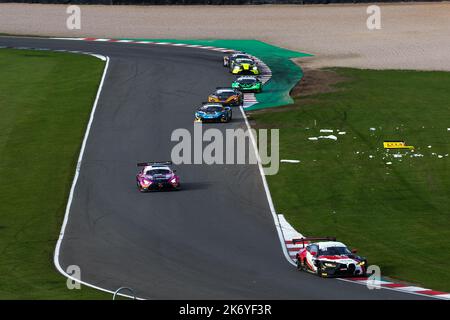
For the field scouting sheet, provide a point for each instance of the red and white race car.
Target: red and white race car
(328, 258)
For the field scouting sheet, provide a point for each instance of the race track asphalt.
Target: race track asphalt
(216, 238)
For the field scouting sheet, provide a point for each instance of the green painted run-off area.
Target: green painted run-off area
(285, 73)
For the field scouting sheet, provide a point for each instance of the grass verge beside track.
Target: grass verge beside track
(45, 102)
(396, 214)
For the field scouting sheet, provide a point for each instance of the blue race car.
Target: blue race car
(213, 112)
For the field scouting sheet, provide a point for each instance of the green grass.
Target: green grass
(45, 102)
(397, 215)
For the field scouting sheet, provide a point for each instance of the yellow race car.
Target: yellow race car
(244, 66)
(227, 97)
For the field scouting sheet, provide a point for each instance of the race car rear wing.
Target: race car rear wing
(308, 239)
(163, 163)
(203, 103)
(251, 76)
(238, 52)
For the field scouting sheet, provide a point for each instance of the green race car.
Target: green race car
(248, 84)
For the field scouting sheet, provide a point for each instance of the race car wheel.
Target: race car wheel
(319, 271)
(364, 273)
(299, 265)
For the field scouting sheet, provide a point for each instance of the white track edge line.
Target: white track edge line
(269, 197)
(265, 184)
(275, 216)
(266, 189)
(80, 157)
(72, 190)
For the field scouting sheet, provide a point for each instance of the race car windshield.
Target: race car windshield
(244, 61)
(212, 109)
(153, 172)
(225, 94)
(247, 80)
(334, 251)
(241, 56)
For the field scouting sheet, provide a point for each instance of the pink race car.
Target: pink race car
(157, 176)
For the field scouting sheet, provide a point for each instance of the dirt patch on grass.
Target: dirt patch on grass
(316, 81)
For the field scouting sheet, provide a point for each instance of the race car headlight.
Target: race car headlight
(146, 182)
(361, 263)
(173, 181)
(329, 264)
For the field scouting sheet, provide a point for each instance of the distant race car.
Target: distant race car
(228, 60)
(227, 96)
(237, 59)
(244, 66)
(213, 112)
(328, 258)
(157, 176)
(247, 84)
